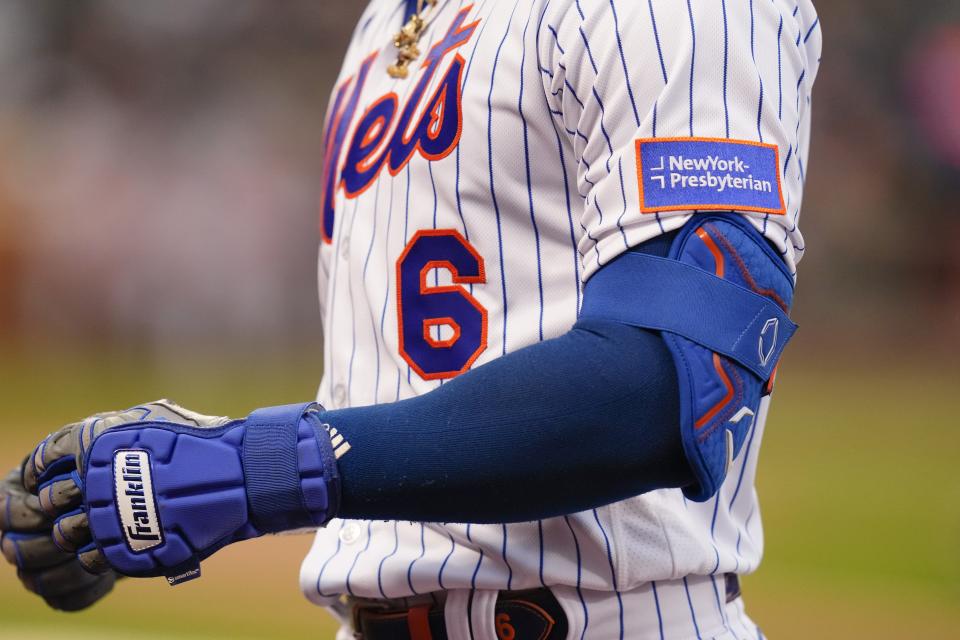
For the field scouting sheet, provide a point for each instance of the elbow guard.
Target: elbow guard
(721, 300)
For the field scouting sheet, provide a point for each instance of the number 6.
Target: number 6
(421, 307)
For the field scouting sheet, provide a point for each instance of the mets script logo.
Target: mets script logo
(136, 505)
(388, 135)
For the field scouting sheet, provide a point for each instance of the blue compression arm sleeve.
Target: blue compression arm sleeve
(576, 422)
(568, 424)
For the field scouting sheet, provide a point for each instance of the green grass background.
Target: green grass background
(858, 478)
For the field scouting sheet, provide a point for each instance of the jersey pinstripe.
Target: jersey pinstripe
(542, 186)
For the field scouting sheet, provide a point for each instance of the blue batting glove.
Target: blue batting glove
(156, 489)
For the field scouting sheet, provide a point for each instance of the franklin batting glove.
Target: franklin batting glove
(156, 489)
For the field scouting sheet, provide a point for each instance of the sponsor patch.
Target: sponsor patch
(136, 504)
(678, 174)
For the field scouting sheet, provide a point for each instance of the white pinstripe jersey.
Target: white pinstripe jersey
(497, 179)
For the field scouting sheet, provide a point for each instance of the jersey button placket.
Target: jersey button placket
(339, 396)
(339, 390)
(350, 533)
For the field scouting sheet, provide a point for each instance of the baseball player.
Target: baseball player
(558, 251)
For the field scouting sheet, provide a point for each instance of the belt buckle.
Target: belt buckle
(416, 617)
(356, 610)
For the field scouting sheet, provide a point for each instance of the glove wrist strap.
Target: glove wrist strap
(289, 469)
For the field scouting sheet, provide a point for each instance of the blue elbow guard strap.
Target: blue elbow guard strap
(721, 300)
(162, 497)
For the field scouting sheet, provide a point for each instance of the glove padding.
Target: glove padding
(43, 568)
(157, 488)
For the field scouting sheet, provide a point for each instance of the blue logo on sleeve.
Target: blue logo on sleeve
(679, 174)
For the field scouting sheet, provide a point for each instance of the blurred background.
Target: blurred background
(159, 181)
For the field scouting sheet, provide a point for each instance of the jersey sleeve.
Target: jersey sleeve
(674, 108)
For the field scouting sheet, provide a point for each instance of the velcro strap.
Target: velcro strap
(668, 295)
(270, 468)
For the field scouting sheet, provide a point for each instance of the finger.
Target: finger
(20, 511)
(58, 581)
(62, 452)
(60, 496)
(83, 598)
(94, 561)
(54, 455)
(172, 412)
(72, 532)
(30, 551)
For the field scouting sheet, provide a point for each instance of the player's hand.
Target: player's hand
(43, 568)
(54, 472)
(155, 489)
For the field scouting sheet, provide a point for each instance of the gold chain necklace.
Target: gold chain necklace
(408, 38)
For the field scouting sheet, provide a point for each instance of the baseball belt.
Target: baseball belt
(534, 614)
